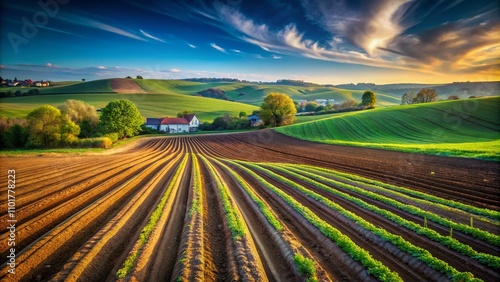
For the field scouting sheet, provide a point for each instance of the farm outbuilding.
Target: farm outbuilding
(188, 123)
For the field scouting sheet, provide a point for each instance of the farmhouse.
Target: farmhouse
(193, 122)
(188, 123)
(254, 120)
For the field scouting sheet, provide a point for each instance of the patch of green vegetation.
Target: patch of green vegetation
(305, 267)
(464, 128)
(95, 86)
(148, 229)
(150, 105)
(254, 93)
(74, 151)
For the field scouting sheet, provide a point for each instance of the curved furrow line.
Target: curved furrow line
(72, 181)
(190, 262)
(303, 236)
(377, 248)
(460, 262)
(249, 264)
(59, 168)
(441, 188)
(268, 233)
(219, 256)
(95, 259)
(38, 221)
(71, 167)
(158, 257)
(466, 239)
(56, 246)
(451, 210)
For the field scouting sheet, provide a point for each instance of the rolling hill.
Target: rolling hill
(254, 93)
(458, 128)
(150, 105)
(460, 89)
(244, 92)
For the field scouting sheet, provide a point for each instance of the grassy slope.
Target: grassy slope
(150, 105)
(95, 86)
(167, 97)
(469, 128)
(255, 93)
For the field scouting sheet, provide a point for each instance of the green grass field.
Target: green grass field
(253, 93)
(467, 128)
(150, 105)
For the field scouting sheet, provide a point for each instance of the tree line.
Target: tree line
(73, 124)
(426, 95)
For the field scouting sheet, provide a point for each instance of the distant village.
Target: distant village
(26, 83)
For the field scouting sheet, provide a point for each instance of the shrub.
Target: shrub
(113, 136)
(85, 143)
(103, 142)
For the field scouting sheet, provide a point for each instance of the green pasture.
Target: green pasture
(468, 128)
(150, 105)
(254, 93)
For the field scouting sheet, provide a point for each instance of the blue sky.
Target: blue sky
(338, 41)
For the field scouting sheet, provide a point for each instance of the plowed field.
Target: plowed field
(254, 206)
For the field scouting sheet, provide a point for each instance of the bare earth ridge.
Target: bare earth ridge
(79, 217)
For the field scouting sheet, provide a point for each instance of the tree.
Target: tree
(242, 114)
(47, 127)
(278, 109)
(85, 115)
(453, 97)
(139, 77)
(426, 95)
(319, 108)
(368, 99)
(310, 106)
(408, 98)
(183, 113)
(83, 79)
(219, 123)
(13, 131)
(122, 117)
(349, 104)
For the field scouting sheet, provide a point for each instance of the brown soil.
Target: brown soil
(125, 85)
(67, 207)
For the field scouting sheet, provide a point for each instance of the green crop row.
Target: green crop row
(450, 203)
(197, 187)
(304, 265)
(475, 232)
(234, 221)
(262, 206)
(129, 262)
(415, 251)
(374, 267)
(487, 259)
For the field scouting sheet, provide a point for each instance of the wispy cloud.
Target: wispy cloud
(276, 57)
(92, 23)
(218, 48)
(151, 36)
(192, 46)
(376, 35)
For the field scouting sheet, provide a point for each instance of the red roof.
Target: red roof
(174, 121)
(189, 117)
